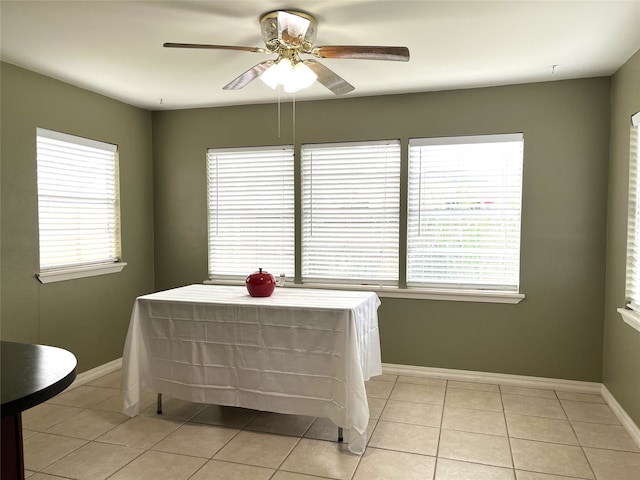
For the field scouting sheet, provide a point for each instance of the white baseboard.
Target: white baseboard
(496, 378)
(625, 419)
(99, 371)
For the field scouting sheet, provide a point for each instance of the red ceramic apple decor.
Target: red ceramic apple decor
(260, 284)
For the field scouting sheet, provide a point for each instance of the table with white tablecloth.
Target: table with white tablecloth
(300, 351)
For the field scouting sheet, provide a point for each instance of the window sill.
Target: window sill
(483, 296)
(80, 272)
(630, 317)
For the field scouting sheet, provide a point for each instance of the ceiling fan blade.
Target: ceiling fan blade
(397, 54)
(216, 47)
(249, 76)
(329, 78)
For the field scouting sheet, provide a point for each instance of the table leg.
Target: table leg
(159, 405)
(340, 439)
(11, 453)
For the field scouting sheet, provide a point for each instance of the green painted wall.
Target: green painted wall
(557, 331)
(88, 316)
(621, 342)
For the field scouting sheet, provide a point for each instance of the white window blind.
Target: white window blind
(351, 211)
(464, 212)
(633, 234)
(78, 201)
(251, 211)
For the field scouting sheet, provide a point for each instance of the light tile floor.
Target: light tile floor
(420, 428)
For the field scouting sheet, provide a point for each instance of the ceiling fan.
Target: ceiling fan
(290, 33)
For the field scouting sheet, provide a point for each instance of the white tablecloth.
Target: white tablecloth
(300, 351)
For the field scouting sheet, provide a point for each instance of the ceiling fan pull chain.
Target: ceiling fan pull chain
(278, 112)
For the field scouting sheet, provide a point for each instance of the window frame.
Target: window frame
(82, 269)
(348, 153)
(399, 290)
(631, 311)
(286, 152)
(505, 190)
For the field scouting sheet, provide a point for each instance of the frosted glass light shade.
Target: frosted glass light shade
(292, 77)
(301, 77)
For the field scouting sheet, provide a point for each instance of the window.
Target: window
(251, 211)
(443, 225)
(464, 210)
(631, 314)
(351, 212)
(78, 206)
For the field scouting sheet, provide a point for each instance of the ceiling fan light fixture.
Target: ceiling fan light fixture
(300, 78)
(292, 76)
(272, 75)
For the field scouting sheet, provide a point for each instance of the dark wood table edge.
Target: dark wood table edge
(20, 405)
(11, 441)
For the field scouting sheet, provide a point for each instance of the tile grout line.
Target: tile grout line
(506, 426)
(41, 470)
(207, 459)
(87, 442)
(145, 450)
(277, 469)
(126, 464)
(219, 449)
(386, 402)
(444, 401)
(593, 472)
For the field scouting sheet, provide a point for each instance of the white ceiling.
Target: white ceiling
(115, 47)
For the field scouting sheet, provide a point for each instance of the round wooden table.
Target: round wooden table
(31, 374)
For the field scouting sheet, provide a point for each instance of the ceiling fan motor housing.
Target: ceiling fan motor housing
(288, 29)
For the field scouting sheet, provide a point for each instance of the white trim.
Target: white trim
(94, 373)
(470, 139)
(635, 119)
(630, 317)
(495, 378)
(265, 148)
(348, 144)
(619, 412)
(86, 142)
(481, 296)
(62, 274)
